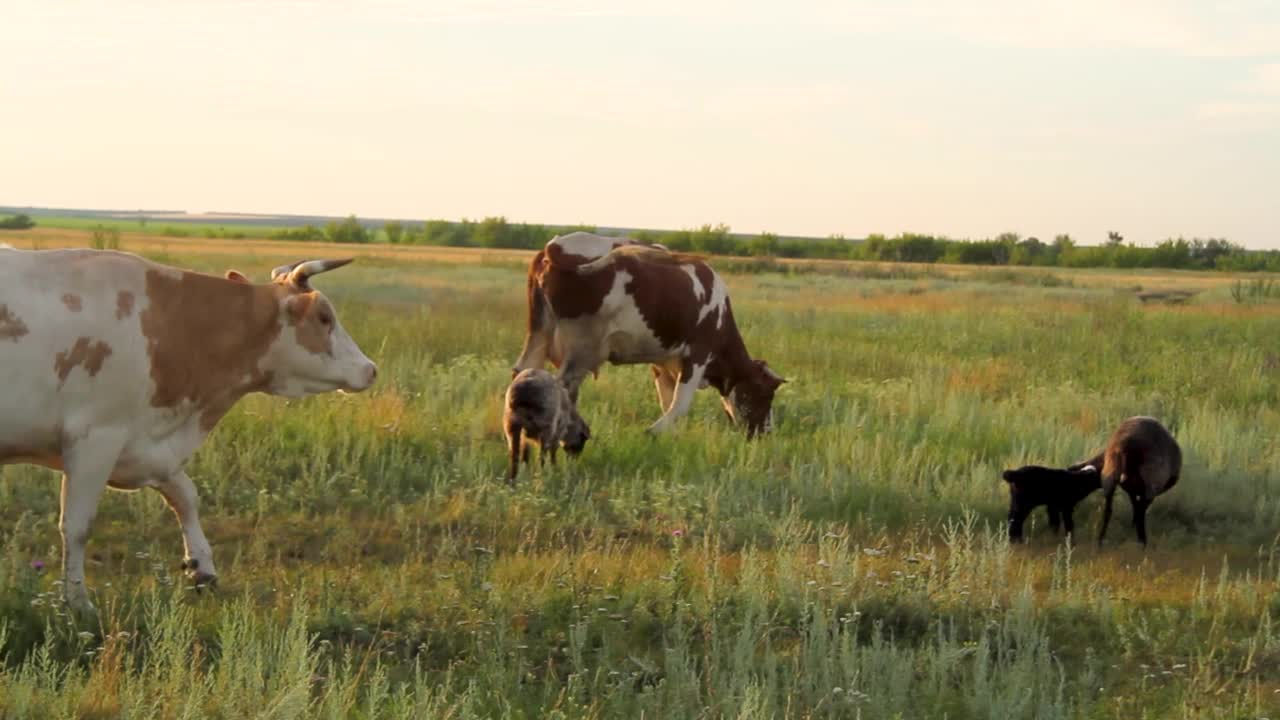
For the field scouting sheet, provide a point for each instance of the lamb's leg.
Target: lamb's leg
(549, 446)
(1055, 518)
(515, 449)
(1068, 523)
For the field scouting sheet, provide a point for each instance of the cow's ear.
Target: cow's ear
(235, 276)
(774, 378)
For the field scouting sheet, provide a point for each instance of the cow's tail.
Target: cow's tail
(540, 330)
(656, 254)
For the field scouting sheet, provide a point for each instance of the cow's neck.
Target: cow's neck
(209, 341)
(731, 364)
(256, 329)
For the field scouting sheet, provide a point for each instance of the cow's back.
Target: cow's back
(71, 346)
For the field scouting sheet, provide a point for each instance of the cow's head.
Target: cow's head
(750, 401)
(313, 353)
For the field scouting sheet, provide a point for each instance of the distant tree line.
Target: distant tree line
(17, 222)
(1004, 249)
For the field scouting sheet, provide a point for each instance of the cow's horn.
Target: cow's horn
(284, 270)
(299, 272)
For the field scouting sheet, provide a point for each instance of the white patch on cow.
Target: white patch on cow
(718, 294)
(1088, 468)
(585, 244)
(699, 293)
(629, 339)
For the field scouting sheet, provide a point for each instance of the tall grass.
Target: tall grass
(375, 564)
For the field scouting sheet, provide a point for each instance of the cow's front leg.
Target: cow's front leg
(664, 379)
(180, 493)
(686, 385)
(88, 464)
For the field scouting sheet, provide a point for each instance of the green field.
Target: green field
(159, 226)
(852, 564)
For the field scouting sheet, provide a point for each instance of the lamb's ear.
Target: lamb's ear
(1008, 476)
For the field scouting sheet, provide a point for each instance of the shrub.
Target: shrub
(17, 222)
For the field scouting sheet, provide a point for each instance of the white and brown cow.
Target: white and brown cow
(116, 368)
(594, 298)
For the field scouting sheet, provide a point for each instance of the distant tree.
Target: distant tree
(1028, 252)
(492, 232)
(346, 231)
(1206, 253)
(394, 230)
(713, 239)
(1114, 239)
(764, 245)
(436, 232)
(17, 222)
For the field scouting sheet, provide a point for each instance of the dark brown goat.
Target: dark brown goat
(1144, 460)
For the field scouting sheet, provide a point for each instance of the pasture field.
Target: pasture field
(374, 564)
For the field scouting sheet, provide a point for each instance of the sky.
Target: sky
(802, 117)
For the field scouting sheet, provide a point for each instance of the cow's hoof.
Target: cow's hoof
(202, 580)
(198, 578)
(81, 607)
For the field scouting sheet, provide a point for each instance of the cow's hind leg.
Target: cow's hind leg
(687, 384)
(183, 499)
(1108, 494)
(578, 363)
(88, 464)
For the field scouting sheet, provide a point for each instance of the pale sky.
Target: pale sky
(813, 117)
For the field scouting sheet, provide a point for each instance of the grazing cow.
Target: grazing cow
(116, 368)
(538, 408)
(594, 298)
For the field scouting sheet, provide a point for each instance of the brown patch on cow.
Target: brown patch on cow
(124, 304)
(86, 352)
(25, 454)
(72, 301)
(572, 295)
(312, 318)
(653, 286)
(206, 337)
(11, 326)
